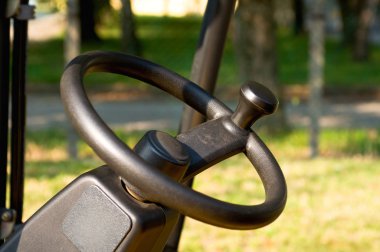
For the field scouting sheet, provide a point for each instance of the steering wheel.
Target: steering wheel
(154, 185)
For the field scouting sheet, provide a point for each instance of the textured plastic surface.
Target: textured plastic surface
(94, 208)
(92, 217)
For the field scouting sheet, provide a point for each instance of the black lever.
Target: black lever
(255, 101)
(7, 222)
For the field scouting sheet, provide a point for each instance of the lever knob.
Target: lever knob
(255, 101)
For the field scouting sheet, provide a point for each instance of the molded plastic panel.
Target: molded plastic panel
(94, 213)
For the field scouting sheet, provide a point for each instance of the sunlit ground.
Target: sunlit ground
(332, 201)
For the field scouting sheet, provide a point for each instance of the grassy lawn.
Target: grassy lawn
(332, 201)
(332, 206)
(172, 42)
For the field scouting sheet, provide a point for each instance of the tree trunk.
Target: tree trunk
(348, 14)
(357, 16)
(316, 66)
(256, 42)
(256, 47)
(299, 18)
(365, 19)
(87, 21)
(130, 43)
(71, 50)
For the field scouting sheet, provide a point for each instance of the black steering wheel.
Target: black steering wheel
(153, 184)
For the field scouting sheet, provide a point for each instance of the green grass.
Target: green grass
(332, 206)
(285, 144)
(332, 200)
(340, 68)
(171, 42)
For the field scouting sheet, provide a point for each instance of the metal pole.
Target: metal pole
(4, 98)
(204, 72)
(209, 53)
(18, 114)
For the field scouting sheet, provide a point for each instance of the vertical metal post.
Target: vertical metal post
(4, 98)
(204, 72)
(18, 114)
(209, 53)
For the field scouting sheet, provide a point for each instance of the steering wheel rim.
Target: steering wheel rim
(156, 186)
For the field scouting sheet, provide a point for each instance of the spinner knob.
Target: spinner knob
(255, 101)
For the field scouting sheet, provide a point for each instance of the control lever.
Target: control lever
(7, 222)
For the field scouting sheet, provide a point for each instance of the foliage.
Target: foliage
(51, 5)
(171, 42)
(340, 68)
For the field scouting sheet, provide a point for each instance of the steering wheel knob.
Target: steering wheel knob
(255, 102)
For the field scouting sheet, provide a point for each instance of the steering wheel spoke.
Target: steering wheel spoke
(212, 142)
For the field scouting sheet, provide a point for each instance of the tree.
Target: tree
(316, 66)
(129, 39)
(87, 21)
(348, 12)
(256, 45)
(299, 17)
(256, 42)
(71, 50)
(88, 12)
(357, 17)
(366, 15)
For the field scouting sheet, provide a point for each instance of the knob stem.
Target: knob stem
(255, 102)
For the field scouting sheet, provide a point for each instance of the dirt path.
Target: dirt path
(46, 27)
(162, 113)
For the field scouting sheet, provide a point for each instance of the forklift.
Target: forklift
(138, 199)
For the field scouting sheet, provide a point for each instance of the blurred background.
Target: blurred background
(322, 59)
